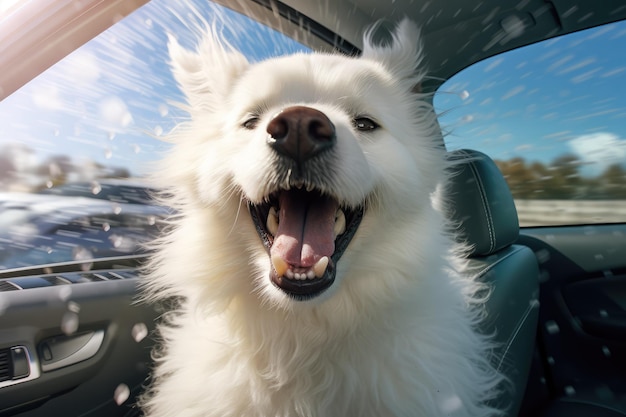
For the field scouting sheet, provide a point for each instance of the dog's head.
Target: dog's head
(316, 156)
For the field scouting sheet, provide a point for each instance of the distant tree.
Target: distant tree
(56, 169)
(541, 174)
(63, 162)
(518, 176)
(564, 181)
(561, 179)
(119, 172)
(525, 181)
(612, 182)
(7, 169)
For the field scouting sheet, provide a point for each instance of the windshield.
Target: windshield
(90, 129)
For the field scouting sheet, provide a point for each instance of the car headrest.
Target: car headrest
(481, 204)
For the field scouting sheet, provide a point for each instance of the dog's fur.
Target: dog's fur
(394, 335)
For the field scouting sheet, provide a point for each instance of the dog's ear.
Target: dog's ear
(402, 55)
(206, 74)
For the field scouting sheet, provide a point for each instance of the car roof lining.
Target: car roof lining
(447, 28)
(40, 33)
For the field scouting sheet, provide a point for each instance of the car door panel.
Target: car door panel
(582, 331)
(87, 342)
(600, 306)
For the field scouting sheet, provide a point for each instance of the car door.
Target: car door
(73, 343)
(582, 333)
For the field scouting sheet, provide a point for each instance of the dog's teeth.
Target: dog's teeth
(340, 222)
(272, 221)
(320, 267)
(282, 269)
(281, 266)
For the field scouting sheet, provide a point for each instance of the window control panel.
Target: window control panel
(20, 363)
(21, 366)
(16, 365)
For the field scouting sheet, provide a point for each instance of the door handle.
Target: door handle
(61, 351)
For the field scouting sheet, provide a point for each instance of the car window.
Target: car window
(553, 117)
(91, 127)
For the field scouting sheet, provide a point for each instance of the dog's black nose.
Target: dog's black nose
(300, 133)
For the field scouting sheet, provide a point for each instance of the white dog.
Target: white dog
(315, 273)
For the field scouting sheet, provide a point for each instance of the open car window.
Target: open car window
(77, 142)
(553, 116)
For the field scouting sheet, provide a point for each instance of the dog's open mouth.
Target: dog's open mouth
(305, 234)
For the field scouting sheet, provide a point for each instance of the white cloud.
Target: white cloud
(48, 97)
(115, 113)
(585, 76)
(613, 72)
(560, 62)
(493, 64)
(83, 67)
(598, 150)
(513, 92)
(577, 66)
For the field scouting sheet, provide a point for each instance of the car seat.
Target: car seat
(481, 206)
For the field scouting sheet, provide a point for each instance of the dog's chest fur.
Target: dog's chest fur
(250, 362)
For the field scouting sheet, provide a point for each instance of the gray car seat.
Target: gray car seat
(481, 204)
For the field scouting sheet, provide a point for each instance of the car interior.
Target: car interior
(76, 341)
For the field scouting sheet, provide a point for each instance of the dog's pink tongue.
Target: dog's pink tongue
(306, 225)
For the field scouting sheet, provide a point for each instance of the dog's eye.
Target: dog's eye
(251, 123)
(365, 124)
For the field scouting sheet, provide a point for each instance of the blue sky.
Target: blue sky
(111, 100)
(565, 95)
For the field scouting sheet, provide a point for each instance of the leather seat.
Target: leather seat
(482, 206)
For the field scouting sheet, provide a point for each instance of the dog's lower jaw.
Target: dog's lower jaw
(306, 276)
(307, 288)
